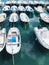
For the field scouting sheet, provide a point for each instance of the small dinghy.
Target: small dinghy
(2, 39)
(42, 35)
(13, 45)
(14, 8)
(8, 2)
(13, 19)
(44, 17)
(2, 18)
(6, 9)
(24, 18)
(21, 9)
(39, 9)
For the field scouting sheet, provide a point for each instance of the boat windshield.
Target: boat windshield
(13, 39)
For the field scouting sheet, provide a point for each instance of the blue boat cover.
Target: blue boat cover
(13, 39)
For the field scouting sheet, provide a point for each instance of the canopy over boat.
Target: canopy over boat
(42, 36)
(13, 45)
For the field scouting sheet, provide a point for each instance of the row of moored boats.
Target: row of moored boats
(14, 8)
(23, 17)
(14, 18)
(14, 2)
(12, 42)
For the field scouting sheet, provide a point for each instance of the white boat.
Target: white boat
(39, 9)
(21, 8)
(29, 9)
(46, 3)
(13, 17)
(8, 2)
(44, 17)
(24, 17)
(42, 35)
(36, 2)
(14, 8)
(1, 3)
(13, 2)
(13, 45)
(47, 7)
(31, 2)
(6, 9)
(19, 2)
(2, 17)
(42, 2)
(25, 2)
(2, 39)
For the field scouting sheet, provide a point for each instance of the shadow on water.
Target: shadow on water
(41, 48)
(37, 14)
(6, 57)
(24, 25)
(44, 24)
(37, 48)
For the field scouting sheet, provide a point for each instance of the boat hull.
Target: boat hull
(40, 39)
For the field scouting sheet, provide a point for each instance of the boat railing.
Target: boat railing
(13, 43)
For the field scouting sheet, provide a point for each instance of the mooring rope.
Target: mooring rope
(13, 57)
